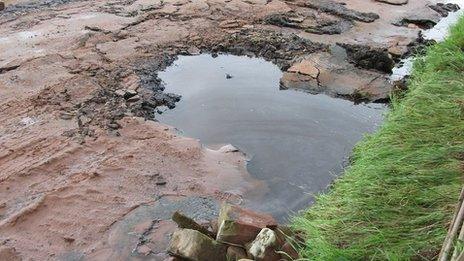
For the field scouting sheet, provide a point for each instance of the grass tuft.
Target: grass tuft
(397, 198)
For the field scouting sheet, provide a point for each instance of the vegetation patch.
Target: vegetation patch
(398, 196)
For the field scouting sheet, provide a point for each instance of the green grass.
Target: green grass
(398, 196)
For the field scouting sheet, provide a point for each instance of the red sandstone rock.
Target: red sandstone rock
(238, 226)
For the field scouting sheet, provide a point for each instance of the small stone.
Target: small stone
(113, 126)
(69, 239)
(193, 245)
(2, 6)
(235, 253)
(133, 98)
(144, 250)
(66, 116)
(238, 226)
(120, 92)
(129, 94)
(160, 181)
(398, 50)
(228, 149)
(228, 76)
(262, 248)
(229, 24)
(193, 50)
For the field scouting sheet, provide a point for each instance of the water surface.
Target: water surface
(297, 142)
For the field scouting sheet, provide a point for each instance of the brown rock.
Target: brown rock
(398, 50)
(2, 6)
(238, 226)
(305, 67)
(193, 245)
(235, 253)
(291, 80)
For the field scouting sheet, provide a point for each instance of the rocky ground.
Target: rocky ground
(83, 164)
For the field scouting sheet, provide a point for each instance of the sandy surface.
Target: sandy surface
(76, 159)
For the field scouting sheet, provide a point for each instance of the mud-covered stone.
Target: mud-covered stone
(193, 245)
(264, 246)
(238, 226)
(235, 253)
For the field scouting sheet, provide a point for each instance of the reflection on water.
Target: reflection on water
(296, 142)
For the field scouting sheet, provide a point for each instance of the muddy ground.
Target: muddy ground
(82, 158)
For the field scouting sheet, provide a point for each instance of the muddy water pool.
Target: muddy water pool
(295, 141)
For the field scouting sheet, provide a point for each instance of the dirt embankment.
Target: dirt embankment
(79, 152)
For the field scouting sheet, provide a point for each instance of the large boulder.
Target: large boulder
(193, 245)
(238, 226)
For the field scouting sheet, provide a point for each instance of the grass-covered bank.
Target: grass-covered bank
(398, 196)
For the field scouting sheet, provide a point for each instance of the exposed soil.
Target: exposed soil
(78, 81)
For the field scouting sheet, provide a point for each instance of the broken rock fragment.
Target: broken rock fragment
(238, 226)
(263, 247)
(193, 245)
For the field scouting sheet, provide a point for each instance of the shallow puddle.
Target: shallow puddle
(296, 142)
